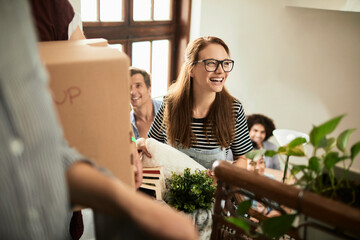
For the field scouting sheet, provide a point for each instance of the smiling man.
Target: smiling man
(144, 108)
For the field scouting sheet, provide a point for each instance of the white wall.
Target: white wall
(298, 66)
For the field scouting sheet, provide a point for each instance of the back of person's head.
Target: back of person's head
(146, 75)
(268, 123)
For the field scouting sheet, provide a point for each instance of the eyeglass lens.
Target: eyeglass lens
(211, 65)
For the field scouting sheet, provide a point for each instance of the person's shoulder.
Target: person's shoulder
(237, 106)
(157, 101)
(269, 145)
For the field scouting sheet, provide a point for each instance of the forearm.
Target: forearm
(88, 187)
(240, 161)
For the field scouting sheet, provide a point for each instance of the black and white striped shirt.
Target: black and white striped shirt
(239, 146)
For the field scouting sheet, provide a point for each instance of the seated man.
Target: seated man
(144, 109)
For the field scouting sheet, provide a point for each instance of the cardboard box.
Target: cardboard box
(90, 86)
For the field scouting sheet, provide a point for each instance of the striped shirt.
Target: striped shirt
(34, 200)
(240, 145)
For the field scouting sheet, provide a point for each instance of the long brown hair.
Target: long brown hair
(179, 103)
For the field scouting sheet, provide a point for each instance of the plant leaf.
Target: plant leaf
(330, 143)
(296, 151)
(244, 207)
(241, 223)
(277, 226)
(343, 139)
(331, 159)
(255, 153)
(296, 142)
(355, 149)
(297, 168)
(282, 149)
(314, 164)
(270, 153)
(318, 133)
(323, 143)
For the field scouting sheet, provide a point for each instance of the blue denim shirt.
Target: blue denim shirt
(156, 104)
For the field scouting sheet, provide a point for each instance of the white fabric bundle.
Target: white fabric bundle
(171, 159)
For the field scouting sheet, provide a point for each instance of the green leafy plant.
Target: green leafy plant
(274, 227)
(190, 191)
(318, 174)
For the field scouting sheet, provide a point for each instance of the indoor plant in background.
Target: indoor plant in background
(318, 174)
(192, 193)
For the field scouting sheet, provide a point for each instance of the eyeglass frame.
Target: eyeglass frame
(218, 63)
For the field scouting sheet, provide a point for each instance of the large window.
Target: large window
(153, 33)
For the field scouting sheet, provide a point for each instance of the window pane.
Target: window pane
(142, 10)
(111, 10)
(162, 10)
(117, 46)
(141, 55)
(88, 10)
(160, 68)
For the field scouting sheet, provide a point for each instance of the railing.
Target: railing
(234, 183)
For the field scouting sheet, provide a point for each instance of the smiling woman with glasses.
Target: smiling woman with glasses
(199, 116)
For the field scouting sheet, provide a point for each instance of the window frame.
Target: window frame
(176, 30)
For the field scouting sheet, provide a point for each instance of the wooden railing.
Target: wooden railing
(342, 219)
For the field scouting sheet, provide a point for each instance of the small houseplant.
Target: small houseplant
(190, 191)
(193, 193)
(318, 175)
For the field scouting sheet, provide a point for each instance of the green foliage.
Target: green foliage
(244, 207)
(334, 151)
(317, 134)
(241, 223)
(190, 191)
(272, 227)
(318, 175)
(276, 227)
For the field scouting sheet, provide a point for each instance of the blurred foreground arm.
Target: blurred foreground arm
(88, 187)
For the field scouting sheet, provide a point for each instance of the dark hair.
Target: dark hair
(263, 120)
(147, 79)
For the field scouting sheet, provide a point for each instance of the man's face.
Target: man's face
(139, 93)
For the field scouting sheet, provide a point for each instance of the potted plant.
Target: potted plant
(318, 174)
(192, 193)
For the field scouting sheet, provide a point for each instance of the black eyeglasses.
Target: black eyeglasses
(211, 65)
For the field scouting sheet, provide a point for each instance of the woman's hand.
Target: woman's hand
(141, 147)
(211, 174)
